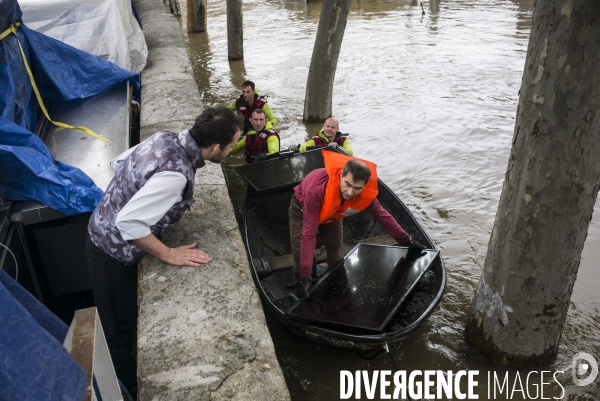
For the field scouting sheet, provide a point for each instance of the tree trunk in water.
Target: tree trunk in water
(550, 188)
(196, 16)
(319, 88)
(235, 30)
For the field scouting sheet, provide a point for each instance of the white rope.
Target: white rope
(16, 264)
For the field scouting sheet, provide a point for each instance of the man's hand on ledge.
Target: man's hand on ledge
(186, 255)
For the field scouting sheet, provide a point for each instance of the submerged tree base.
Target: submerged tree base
(485, 346)
(315, 119)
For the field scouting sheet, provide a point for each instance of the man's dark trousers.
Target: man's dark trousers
(331, 235)
(114, 285)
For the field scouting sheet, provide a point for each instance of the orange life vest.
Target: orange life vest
(333, 208)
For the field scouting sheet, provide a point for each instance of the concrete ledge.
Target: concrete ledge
(163, 33)
(202, 334)
(201, 331)
(168, 64)
(149, 13)
(168, 100)
(173, 125)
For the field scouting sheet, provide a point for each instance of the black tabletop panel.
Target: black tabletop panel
(365, 291)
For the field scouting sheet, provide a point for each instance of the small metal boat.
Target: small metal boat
(376, 296)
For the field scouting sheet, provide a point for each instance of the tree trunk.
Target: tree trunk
(319, 88)
(550, 188)
(235, 30)
(196, 16)
(237, 70)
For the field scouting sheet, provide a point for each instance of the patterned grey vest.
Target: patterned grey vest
(163, 151)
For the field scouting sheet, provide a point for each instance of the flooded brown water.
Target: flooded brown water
(432, 100)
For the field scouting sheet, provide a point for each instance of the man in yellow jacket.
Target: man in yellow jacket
(249, 101)
(328, 136)
(259, 141)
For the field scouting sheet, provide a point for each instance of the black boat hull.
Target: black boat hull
(267, 237)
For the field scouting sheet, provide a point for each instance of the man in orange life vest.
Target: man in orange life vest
(249, 101)
(344, 187)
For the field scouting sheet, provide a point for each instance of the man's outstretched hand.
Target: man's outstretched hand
(186, 255)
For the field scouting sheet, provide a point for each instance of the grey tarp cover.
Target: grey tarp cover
(104, 28)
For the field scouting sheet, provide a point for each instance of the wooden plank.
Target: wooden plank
(287, 261)
(82, 345)
(86, 343)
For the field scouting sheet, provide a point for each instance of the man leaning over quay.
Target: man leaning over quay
(152, 188)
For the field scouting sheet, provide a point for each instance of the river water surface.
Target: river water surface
(431, 99)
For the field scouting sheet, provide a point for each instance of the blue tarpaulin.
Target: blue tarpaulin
(27, 169)
(33, 363)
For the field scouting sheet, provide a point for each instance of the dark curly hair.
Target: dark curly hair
(359, 170)
(216, 124)
(248, 83)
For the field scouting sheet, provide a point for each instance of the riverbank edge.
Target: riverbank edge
(202, 333)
